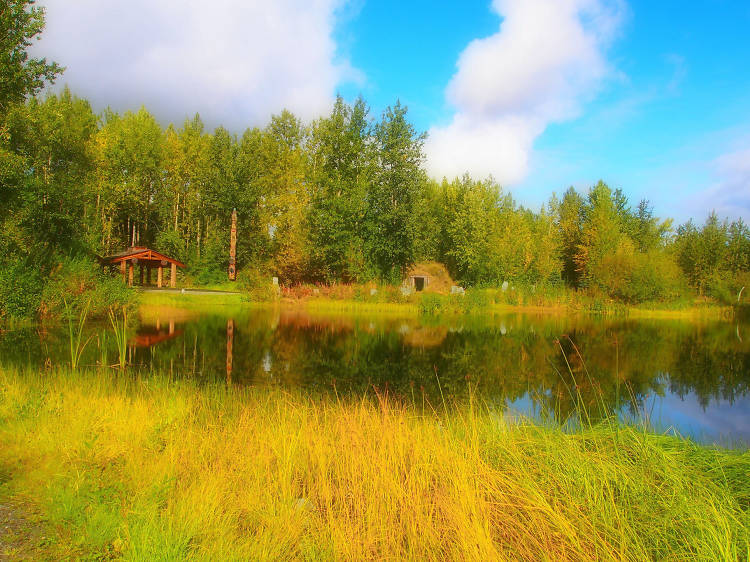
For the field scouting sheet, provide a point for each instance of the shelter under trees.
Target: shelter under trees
(146, 260)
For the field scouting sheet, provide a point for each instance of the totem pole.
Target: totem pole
(233, 248)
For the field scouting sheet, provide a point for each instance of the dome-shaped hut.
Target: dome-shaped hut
(430, 277)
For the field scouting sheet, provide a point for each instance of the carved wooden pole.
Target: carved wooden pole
(233, 248)
(173, 276)
(160, 275)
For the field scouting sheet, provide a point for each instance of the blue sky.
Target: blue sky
(652, 97)
(678, 98)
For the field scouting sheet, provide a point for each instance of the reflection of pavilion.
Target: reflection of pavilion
(147, 259)
(151, 337)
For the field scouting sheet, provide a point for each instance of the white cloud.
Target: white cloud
(729, 195)
(546, 59)
(234, 61)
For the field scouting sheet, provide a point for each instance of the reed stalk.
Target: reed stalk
(119, 324)
(75, 333)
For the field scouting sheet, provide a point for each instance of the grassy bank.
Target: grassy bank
(445, 305)
(189, 300)
(358, 299)
(150, 469)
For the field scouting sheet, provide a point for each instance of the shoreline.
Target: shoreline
(198, 300)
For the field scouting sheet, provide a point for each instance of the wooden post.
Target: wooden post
(171, 326)
(173, 276)
(123, 266)
(141, 275)
(159, 276)
(130, 274)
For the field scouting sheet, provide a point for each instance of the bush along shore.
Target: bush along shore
(153, 469)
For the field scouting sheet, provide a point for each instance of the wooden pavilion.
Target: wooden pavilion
(146, 259)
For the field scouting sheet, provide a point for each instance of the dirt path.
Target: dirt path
(190, 291)
(20, 537)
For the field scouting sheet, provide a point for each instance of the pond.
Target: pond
(685, 377)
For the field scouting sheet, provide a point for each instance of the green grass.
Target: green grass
(152, 469)
(476, 301)
(327, 304)
(191, 300)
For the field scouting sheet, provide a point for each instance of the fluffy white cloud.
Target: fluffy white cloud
(730, 194)
(546, 59)
(234, 61)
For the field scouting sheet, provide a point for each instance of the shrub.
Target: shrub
(725, 287)
(476, 299)
(210, 266)
(430, 304)
(20, 290)
(79, 281)
(652, 277)
(257, 286)
(394, 295)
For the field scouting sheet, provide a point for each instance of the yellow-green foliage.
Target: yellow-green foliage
(150, 469)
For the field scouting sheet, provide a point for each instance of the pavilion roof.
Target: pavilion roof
(140, 253)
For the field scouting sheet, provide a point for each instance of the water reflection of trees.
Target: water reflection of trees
(603, 366)
(560, 363)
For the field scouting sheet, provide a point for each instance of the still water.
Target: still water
(685, 377)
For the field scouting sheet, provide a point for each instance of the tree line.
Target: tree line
(343, 199)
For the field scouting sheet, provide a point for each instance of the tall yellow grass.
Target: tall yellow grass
(152, 469)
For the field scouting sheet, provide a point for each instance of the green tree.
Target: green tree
(340, 173)
(547, 244)
(738, 247)
(702, 252)
(473, 230)
(187, 176)
(570, 221)
(252, 238)
(647, 231)
(127, 153)
(285, 196)
(602, 255)
(714, 257)
(390, 226)
(21, 21)
(54, 137)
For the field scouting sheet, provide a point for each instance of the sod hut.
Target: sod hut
(430, 277)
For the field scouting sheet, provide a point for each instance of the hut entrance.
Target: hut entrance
(428, 277)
